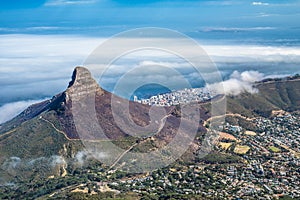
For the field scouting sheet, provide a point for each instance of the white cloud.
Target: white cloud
(10, 163)
(57, 160)
(237, 84)
(68, 2)
(265, 15)
(253, 53)
(237, 29)
(259, 3)
(82, 156)
(248, 76)
(10, 110)
(36, 66)
(221, 3)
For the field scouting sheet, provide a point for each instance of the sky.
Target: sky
(206, 19)
(41, 41)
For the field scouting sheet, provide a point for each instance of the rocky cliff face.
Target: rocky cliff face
(82, 85)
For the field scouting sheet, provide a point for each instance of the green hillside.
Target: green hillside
(273, 95)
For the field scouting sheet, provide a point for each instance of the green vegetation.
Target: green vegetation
(100, 196)
(217, 158)
(283, 94)
(36, 138)
(274, 149)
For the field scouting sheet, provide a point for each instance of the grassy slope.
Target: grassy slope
(283, 95)
(34, 138)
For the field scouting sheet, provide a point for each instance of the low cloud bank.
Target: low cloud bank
(82, 156)
(45, 166)
(38, 66)
(10, 110)
(237, 83)
(12, 166)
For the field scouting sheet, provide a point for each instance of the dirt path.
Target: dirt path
(53, 126)
(162, 123)
(161, 126)
(56, 129)
(122, 155)
(8, 133)
(70, 187)
(228, 114)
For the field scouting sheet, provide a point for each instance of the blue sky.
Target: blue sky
(206, 19)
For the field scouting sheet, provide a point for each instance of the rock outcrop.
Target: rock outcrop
(82, 85)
